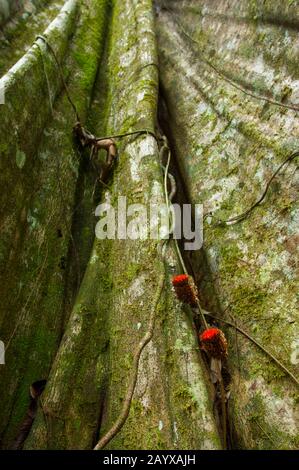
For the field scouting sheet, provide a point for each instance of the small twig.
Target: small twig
(178, 251)
(117, 136)
(125, 134)
(262, 429)
(60, 73)
(166, 173)
(224, 77)
(259, 345)
(58, 167)
(243, 215)
(119, 423)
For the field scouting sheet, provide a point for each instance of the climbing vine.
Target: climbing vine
(212, 339)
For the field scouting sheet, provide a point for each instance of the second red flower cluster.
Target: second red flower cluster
(212, 340)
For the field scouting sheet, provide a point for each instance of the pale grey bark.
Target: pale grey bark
(73, 308)
(172, 406)
(227, 146)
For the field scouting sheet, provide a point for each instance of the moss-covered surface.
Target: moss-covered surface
(45, 263)
(19, 34)
(227, 146)
(171, 407)
(73, 307)
(160, 418)
(25, 113)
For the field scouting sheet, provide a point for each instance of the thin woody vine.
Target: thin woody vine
(211, 338)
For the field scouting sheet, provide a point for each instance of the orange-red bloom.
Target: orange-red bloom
(180, 279)
(214, 342)
(185, 289)
(209, 334)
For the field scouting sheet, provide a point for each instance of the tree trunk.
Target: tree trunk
(75, 307)
(227, 145)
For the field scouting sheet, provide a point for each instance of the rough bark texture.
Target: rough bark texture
(227, 146)
(39, 168)
(73, 307)
(18, 34)
(89, 378)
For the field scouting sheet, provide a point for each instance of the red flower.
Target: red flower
(180, 279)
(209, 334)
(214, 343)
(185, 289)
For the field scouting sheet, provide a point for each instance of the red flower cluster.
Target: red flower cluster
(214, 342)
(185, 289)
(180, 279)
(209, 334)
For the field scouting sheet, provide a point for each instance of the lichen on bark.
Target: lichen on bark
(111, 312)
(227, 146)
(75, 307)
(35, 289)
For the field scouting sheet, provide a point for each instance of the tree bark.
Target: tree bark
(39, 168)
(75, 307)
(227, 145)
